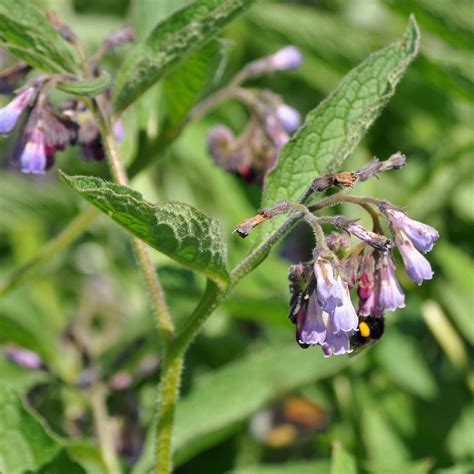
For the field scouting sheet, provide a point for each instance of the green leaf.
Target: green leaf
(61, 464)
(332, 130)
(147, 13)
(88, 88)
(230, 395)
(404, 363)
(184, 85)
(319, 467)
(27, 34)
(342, 461)
(175, 229)
(385, 449)
(25, 442)
(20, 378)
(418, 467)
(451, 24)
(170, 41)
(22, 322)
(461, 435)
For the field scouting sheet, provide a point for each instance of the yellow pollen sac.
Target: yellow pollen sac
(364, 329)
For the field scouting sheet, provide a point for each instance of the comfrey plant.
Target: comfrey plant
(291, 171)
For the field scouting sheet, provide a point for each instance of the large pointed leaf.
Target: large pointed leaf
(332, 130)
(183, 86)
(175, 229)
(27, 34)
(169, 42)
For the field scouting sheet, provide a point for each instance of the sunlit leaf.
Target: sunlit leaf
(319, 467)
(332, 130)
(27, 34)
(404, 363)
(175, 229)
(342, 462)
(169, 42)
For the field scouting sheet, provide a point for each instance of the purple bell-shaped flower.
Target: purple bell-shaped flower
(11, 112)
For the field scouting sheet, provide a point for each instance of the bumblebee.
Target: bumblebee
(370, 331)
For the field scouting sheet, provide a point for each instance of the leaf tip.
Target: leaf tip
(65, 177)
(411, 38)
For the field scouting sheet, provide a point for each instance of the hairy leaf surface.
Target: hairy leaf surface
(332, 130)
(170, 41)
(27, 34)
(173, 228)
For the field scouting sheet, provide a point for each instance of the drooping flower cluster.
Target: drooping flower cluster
(321, 305)
(255, 150)
(45, 129)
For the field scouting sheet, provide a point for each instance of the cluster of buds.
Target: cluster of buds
(321, 303)
(255, 150)
(46, 130)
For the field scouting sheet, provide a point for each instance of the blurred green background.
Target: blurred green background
(252, 400)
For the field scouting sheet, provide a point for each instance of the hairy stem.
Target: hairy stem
(105, 433)
(168, 396)
(74, 229)
(152, 281)
(171, 371)
(360, 201)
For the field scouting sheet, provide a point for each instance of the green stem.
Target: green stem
(168, 396)
(360, 201)
(172, 367)
(74, 229)
(152, 281)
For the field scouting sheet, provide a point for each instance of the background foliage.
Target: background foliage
(403, 406)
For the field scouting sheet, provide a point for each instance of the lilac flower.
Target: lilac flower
(336, 344)
(277, 133)
(389, 294)
(288, 116)
(315, 326)
(289, 57)
(118, 130)
(416, 266)
(23, 357)
(33, 158)
(422, 235)
(44, 134)
(311, 323)
(345, 318)
(330, 290)
(11, 112)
